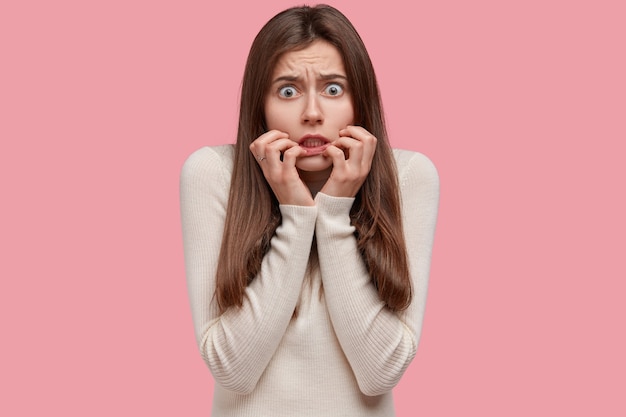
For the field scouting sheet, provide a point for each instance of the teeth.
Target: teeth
(312, 143)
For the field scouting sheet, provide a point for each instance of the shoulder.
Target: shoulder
(415, 168)
(419, 192)
(209, 163)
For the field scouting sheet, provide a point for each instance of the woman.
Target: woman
(307, 243)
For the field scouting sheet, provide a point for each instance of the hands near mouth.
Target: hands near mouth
(276, 155)
(351, 157)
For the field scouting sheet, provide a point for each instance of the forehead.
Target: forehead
(320, 57)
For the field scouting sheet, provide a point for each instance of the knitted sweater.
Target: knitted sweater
(344, 351)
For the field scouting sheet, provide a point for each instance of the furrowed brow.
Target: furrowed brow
(287, 78)
(326, 77)
(323, 77)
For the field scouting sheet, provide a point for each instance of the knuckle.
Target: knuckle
(271, 147)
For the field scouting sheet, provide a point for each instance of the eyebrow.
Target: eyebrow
(323, 77)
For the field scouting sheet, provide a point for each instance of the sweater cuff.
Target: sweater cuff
(334, 206)
(298, 215)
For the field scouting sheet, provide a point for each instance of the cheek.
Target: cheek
(343, 110)
(346, 113)
(351, 116)
(277, 117)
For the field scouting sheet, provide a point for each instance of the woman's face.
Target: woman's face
(309, 98)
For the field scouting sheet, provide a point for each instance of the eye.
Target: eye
(333, 89)
(287, 91)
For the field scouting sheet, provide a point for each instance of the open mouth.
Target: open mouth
(314, 144)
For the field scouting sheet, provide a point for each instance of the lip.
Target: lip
(314, 144)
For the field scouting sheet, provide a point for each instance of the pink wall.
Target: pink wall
(521, 106)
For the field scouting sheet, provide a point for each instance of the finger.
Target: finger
(275, 150)
(257, 147)
(291, 155)
(270, 136)
(336, 155)
(352, 148)
(357, 132)
(368, 140)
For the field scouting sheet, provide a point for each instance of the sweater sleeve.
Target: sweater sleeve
(378, 343)
(238, 345)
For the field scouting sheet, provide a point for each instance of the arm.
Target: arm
(378, 343)
(238, 345)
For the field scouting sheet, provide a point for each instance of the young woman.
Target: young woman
(307, 243)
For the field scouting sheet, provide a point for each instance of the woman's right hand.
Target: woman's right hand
(276, 154)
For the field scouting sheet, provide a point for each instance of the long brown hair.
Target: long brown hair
(253, 214)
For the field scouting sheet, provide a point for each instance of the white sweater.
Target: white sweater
(344, 351)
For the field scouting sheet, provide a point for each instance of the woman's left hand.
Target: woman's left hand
(352, 156)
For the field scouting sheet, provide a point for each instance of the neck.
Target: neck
(315, 180)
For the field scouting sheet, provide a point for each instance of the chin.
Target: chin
(314, 163)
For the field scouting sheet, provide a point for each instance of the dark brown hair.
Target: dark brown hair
(253, 214)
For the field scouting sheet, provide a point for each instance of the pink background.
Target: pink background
(521, 105)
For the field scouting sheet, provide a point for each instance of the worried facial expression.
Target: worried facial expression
(310, 99)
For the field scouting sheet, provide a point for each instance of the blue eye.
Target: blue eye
(287, 91)
(333, 89)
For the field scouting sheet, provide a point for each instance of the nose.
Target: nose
(312, 112)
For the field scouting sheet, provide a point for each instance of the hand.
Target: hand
(276, 154)
(352, 156)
